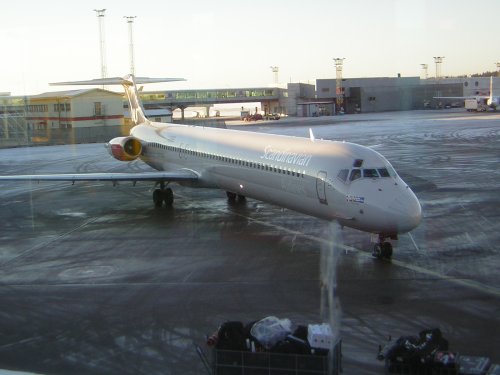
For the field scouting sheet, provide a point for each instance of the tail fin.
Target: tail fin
(129, 85)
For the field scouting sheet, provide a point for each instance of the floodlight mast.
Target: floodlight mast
(438, 60)
(100, 18)
(275, 70)
(425, 68)
(130, 21)
(338, 90)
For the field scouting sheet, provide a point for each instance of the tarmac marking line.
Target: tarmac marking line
(414, 243)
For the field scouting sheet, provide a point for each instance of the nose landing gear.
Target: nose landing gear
(382, 249)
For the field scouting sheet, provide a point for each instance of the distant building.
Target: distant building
(12, 120)
(471, 86)
(97, 115)
(380, 94)
(74, 116)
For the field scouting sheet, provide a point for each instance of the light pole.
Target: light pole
(438, 60)
(339, 61)
(275, 70)
(130, 21)
(425, 68)
(100, 19)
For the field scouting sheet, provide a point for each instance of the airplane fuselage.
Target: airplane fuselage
(330, 180)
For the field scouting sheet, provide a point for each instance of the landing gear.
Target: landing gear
(163, 194)
(231, 197)
(382, 249)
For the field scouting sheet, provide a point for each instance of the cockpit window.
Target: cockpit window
(343, 174)
(357, 163)
(370, 173)
(355, 174)
(384, 172)
(346, 175)
(392, 172)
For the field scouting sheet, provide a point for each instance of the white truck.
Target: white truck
(474, 105)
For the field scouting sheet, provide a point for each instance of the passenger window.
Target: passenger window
(370, 173)
(355, 174)
(343, 174)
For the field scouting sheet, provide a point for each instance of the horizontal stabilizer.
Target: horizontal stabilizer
(127, 81)
(129, 85)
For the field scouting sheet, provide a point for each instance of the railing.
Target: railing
(229, 362)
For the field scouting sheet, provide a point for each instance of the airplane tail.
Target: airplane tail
(129, 85)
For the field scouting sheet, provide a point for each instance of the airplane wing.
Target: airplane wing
(181, 175)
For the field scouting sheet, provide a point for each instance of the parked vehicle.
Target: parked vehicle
(273, 116)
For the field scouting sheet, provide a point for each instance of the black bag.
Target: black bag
(431, 340)
(232, 336)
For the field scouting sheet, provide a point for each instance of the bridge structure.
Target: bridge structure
(270, 97)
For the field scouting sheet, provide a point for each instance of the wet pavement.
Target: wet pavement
(95, 280)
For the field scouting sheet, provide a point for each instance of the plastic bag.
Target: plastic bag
(271, 330)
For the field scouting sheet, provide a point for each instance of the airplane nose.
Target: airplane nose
(406, 211)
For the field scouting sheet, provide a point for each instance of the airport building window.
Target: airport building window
(59, 107)
(97, 109)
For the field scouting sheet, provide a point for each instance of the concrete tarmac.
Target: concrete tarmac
(95, 280)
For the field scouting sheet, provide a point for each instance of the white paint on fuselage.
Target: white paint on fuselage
(292, 172)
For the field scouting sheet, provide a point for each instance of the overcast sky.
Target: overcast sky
(222, 43)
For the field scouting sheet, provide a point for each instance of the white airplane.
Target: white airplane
(330, 180)
(478, 101)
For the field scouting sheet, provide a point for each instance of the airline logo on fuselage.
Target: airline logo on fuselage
(286, 156)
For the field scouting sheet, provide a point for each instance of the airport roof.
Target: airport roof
(71, 93)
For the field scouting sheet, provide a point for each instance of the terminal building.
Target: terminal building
(97, 115)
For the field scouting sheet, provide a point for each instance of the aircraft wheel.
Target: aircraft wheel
(241, 198)
(377, 251)
(157, 197)
(168, 197)
(231, 197)
(387, 250)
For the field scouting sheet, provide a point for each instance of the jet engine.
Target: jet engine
(124, 148)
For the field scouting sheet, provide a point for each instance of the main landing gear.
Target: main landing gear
(163, 194)
(231, 197)
(382, 249)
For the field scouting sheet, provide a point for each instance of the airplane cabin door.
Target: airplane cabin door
(321, 187)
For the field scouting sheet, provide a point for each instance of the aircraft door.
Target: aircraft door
(321, 187)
